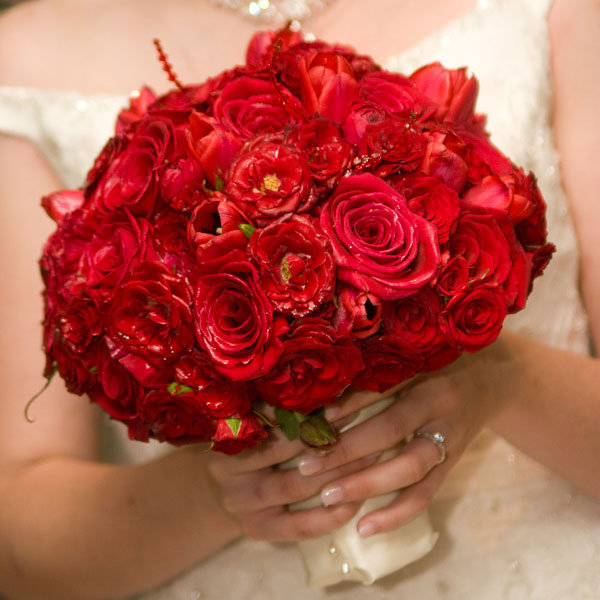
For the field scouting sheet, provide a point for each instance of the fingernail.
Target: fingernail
(332, 495)
(308, 465)
(366, 530)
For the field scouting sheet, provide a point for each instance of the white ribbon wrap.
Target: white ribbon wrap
(343, 555)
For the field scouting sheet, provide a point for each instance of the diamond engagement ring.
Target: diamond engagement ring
(436, 438)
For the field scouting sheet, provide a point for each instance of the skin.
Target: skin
(63, 513)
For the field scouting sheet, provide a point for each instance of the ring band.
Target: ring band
(436, 438)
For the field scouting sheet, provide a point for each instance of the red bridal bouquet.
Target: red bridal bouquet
(289, 228)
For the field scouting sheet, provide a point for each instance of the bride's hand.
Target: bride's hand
(451, 403)
(256, 493)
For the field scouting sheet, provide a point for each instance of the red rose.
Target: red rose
(314, 369)
(328, 85)
(236, 434)
(400, 146)
(60, 204)
(119, 244)
(171, 242)
(108, 154)
(118, 392)
(328, 154)
(213, 147)
(173, 417)
(429, 198)
(262, 42)
(532, 232)
(248, 106)
(395, 93)
(473, 319)
(379, 244)
(453, 277)
(358, 313)
(361, 116)
(234, 320)
(271, 180)
(444, 159)
(297, 270)
(77, 370)
(78, 322)
(415, 319)
(181, 184)
(450, 90)
(219, 396)
(150, 314)
(131, 180)
(388, 361)
(138, 108)
(479, 239)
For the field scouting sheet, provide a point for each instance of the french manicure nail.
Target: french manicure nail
(366, 530)
(309, 465)
(332, 495)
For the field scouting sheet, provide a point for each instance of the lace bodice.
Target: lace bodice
(509, 530)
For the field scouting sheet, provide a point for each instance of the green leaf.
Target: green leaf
(289, 421)
(93, 370)
(247, 229)
(235, 425)
(175, 388)
(219, 183)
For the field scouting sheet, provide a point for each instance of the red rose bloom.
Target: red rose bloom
(297, 270)
(479, 239)
(234, 321)
(269, 181)
(400, 146)
(150, 314)
(248, 106)
(328, 154)
(181, 184)
(174, 417)
(361, 116)
(118, 391)
(380, 246)
(219, 396)
(236, 434)
(358, 313)
(213, 147)
(429, 198)
(396, 94)
(328, 85)
(131, 180)
(474, 318)
(314, 369)
(119, 244)
(388, 361)
(450, 90)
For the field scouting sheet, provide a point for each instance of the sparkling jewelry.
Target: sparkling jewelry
(436, 438)
(275, 12)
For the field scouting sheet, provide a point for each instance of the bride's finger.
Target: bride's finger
(410, 502)
(410, 466)
(355, 400)
(280, 487)
(280, 525)
(381, 432)
(273, 451)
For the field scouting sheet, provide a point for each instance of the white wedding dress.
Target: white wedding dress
(508, 528)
